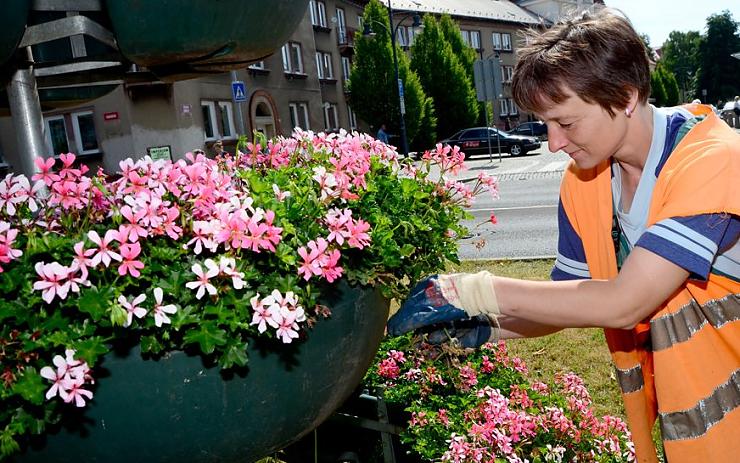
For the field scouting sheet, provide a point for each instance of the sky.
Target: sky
(658, 18)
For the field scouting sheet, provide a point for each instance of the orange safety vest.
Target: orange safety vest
(683, 362)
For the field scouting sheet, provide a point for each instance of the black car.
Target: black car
(536, 129)
(475, 141)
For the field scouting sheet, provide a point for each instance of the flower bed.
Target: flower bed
(203, 255)
(468, 406)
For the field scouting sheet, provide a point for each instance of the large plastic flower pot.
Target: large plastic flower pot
(176, 409)
(12, 25)
(174, 37)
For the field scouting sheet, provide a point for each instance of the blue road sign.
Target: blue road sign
(238, 91)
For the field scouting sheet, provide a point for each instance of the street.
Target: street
(526, 209)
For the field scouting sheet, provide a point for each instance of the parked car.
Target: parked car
(536, 129)
(475, 141)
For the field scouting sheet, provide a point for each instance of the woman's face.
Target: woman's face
(584, 130)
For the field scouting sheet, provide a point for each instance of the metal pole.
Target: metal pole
(498, 135)
(404, 144)
(488, 128)
(28, 120)
(242, 129)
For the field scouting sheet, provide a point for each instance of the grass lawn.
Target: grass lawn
(582, 351)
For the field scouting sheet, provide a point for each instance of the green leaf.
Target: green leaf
(8, 444)
(207, 337)
(407, 250)
(90, 349)
(95, 302)
(151, 344)
(31, 386)
(235, 354)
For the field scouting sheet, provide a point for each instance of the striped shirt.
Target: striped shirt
(700, 244)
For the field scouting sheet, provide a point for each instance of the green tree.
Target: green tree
(719, 71)
(372, 84)
(444, 79)
(670, 85)
(466, 54)
(451, 33)
(427, 136)
(680, 55)
(657, 89)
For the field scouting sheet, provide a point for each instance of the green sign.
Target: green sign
(160, 153)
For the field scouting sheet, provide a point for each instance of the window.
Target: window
(513, 110)
(85, 136)
(352, 118)
(324, 66)
(506, 41)
(258, 65)
(346, 68)
(218, 120)
(71, 132)
(471, 38)
(330, 117)
(507, 73)
(292, 58)
(56, 135)
(496, 39)
(504, 103)
(226, 119)
(402, 38)
(412, 33)
(318, 13)
(299, 115)
(341, 20)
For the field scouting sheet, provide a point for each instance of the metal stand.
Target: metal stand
(28, 120)
(382, 424)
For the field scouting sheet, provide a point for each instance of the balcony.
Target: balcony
(346, 40)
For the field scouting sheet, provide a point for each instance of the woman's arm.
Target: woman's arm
(645, 281)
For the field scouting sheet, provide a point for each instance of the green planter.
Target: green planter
(12, 25)
(174, 37)
(175, 409)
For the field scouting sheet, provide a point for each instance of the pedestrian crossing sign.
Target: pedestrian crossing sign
(238, 91)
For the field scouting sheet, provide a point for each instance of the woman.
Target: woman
(649, 219)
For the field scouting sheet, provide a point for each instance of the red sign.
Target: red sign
(110, 116)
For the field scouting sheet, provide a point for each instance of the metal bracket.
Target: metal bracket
(67, 27)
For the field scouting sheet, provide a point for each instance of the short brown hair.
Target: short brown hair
(597, 55)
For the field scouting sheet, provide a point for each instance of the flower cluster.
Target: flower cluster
(467, 406)
(68, 379)
(204, 254)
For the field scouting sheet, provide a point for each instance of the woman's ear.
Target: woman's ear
(632, 102)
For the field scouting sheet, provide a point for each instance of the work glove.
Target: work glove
(459, 305)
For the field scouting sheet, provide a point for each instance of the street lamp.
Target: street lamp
(368, 32)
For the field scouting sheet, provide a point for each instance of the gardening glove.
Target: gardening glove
(469, 332)
(441, 299)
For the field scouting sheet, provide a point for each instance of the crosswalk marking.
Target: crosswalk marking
(555, 165)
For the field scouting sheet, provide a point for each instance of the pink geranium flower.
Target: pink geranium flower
(129, 263)
(45, 174)
(53, 281)
(104, 253)
(160, 311)
(72, 390)
(203, 284)
(132, 308)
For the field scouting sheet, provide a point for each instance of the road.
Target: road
(526, 210)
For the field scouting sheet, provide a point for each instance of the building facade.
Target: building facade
(303, 84)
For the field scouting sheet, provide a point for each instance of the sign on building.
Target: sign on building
(157, 153)
(238, 91)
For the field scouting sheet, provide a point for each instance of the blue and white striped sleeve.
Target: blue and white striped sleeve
(571, 260)
(692, 242)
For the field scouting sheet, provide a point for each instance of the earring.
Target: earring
(627, 112)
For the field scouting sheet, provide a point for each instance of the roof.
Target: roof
(499, 10)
